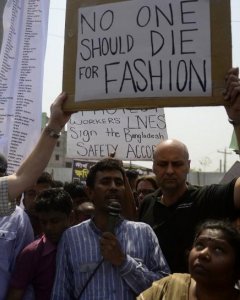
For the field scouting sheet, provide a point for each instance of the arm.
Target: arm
(237, 194)
(137, 273)
(36, 162)
(140, 275)
(232, 96)
(129, 205)
(232, 106)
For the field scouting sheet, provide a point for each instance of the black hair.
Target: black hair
(231, 234)
(3, 163)
(57, 184)
(45, 177)
(54, 200)
(103, 165)
(75, 189)
(132, 174)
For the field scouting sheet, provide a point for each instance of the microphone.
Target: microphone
(114, 210)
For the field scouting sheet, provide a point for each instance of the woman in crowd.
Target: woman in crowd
(214, 267)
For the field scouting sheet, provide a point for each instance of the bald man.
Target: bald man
(176, 207)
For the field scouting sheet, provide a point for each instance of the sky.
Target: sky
(205, 130)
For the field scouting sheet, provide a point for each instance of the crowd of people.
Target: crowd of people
(120, 235)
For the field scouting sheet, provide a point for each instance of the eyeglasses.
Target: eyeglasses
(145, 191)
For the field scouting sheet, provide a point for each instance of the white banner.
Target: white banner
(129, 133)
(23, 29)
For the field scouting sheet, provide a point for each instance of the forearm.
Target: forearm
(33, 166)
(36, 162)
(129, 210)
(138, 277)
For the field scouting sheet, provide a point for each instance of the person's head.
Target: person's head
(44, 182)
(83, 209)
(3, 165)
(144, 186)
(105, 183)
(83, 212)
(171, 165)
(77, 191)
(54, 209)
(57, 184)
(214, 259)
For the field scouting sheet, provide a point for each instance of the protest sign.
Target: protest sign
(129, 133)
(80, 170)
(146, 53)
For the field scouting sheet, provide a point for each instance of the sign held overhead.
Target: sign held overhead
(146, 53)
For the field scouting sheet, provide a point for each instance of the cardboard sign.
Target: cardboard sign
(146, 53)
(129, 133)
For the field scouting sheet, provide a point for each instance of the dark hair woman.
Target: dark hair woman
(214, 267)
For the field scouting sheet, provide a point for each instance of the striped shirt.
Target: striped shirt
(79, 254)
(6, 207)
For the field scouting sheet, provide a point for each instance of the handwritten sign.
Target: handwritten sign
(160, 50)
(130, 133)
(144, 52)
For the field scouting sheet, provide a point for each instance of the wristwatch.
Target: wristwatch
(52, 133)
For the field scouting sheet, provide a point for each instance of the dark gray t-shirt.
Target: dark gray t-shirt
(175, 225)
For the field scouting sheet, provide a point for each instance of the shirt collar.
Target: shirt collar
(49, 247)
(98, 231)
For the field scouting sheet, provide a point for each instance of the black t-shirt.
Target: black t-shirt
(175, 225)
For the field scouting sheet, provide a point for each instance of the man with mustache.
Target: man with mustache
(99, 261)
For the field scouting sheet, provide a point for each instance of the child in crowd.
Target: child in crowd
(35, 266)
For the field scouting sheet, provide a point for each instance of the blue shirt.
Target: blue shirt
(79, 254)
(15, 233)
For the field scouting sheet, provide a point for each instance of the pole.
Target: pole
(225, 153)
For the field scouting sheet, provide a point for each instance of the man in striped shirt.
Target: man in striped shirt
(93, 263)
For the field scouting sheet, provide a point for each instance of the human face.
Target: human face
(30, 195)
(144, 187)
(171, 166)
(53, 224)
(109, 186)
(212, 259)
